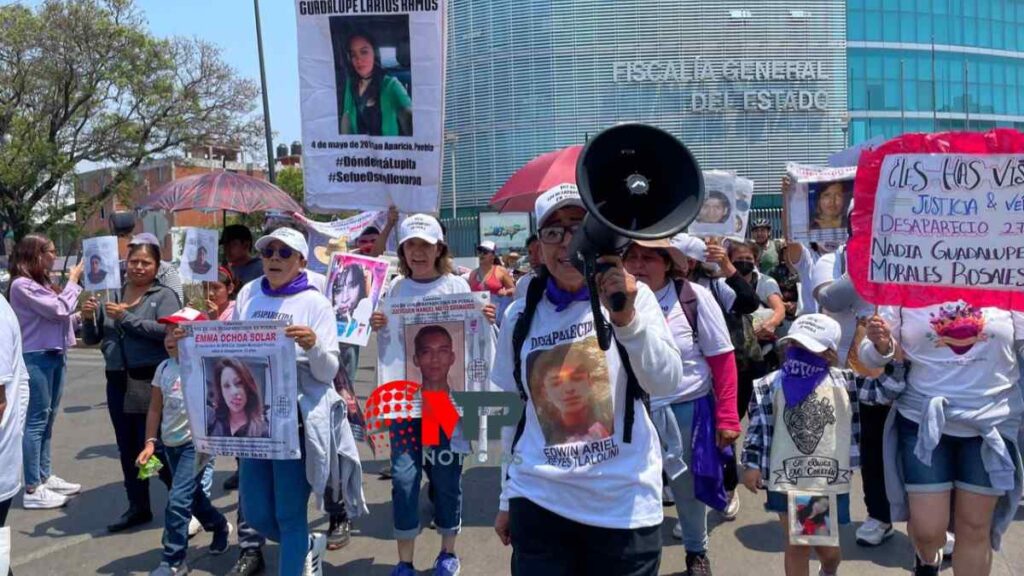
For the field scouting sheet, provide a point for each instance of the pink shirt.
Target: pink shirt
(45, 316)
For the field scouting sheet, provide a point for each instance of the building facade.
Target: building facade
(934, 65)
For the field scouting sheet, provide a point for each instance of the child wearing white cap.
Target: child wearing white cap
(804, 430)
(426, 268)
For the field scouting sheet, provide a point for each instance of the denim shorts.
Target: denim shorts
(779, 502)
(956, 462)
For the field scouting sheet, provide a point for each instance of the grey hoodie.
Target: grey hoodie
(138, 332)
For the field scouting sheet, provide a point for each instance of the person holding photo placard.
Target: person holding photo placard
(132, 342)
(372, 102)
(426, 267)
(828, 203)
(275, 493)
(45, 314)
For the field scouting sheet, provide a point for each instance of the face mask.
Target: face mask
(744, 268)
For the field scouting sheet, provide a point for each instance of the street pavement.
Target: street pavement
(74, 541)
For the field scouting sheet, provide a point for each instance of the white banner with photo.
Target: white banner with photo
(199, 259)
(102, 263)
(355, 286)
(241, 389)
(508, 230)
(818, 202)
(726, 205)
(371, 78)
(327, 238)
(438, 342)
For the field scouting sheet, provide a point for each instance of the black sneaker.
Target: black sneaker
(231, 483)
(697, 564)
(130, 519)
(249, 563)
(339, 534)
(220, 544)
(925, 570)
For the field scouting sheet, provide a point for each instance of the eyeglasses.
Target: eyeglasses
(284, 252)
(556, 234)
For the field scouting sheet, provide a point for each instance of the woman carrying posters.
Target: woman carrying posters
(373, 103)
(955, 429)
(133, 346)
(276, 492)
(705, 399)
(593, 507)
(238, 403)
(426, 268)
(45, 313)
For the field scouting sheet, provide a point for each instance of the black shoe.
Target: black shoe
(697, 564)
(231, 483)
(131, 519)
(339, 534)
(249, 564)
(385, 472)
(925, 570)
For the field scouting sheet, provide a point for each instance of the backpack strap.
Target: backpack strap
(634, 392)
(688, 301)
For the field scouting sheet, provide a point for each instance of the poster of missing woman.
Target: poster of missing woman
(372, 100)
(441, 342)
(241, 389)
(818, 203)
(355, 285)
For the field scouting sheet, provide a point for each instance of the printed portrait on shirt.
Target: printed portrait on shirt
(571, 392)
(235, 392)
(435, 355)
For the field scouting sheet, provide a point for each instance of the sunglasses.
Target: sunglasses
(284, 252)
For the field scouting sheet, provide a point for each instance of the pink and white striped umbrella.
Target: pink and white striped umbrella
(216, 191)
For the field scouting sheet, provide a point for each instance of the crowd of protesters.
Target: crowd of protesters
(713, 331)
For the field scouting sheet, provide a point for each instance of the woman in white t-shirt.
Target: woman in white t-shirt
(568, 505)
(704, 400)
(955, 427)
(14, 393)
(426, 267)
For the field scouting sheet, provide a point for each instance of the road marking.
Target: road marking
(64, 544)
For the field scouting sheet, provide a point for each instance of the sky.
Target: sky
(231, 25)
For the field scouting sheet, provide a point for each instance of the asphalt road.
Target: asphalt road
(73, 540)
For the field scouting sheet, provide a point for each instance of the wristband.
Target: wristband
(153, 440)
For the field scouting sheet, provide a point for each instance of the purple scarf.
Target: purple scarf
(707, 459)
(562, 299)
(298, 284)
(802, 371)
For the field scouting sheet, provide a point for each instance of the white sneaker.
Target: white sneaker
(61, 486)
(43, 499)
(732, 509)
(873, 532)
(947, 550)
(315, 556)
(194, 527)
(677, 531)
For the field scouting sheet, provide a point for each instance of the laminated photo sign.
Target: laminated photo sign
(241, 389)
(818, 203)
(372, 99)
(813, 519)
(102, 266)
(726, 205)
(199, 259)
(355, 285)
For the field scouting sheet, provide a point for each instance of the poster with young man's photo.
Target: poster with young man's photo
(241, 389)
(817, 203)
(718, 211)
(440, 342)
(372, 101)
(102, 264)
(355, 285)
(199, 258)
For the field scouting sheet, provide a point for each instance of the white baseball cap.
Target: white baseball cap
(291, 238)
(488, 245)
(816, 332)
(422, 226)
(557, 197)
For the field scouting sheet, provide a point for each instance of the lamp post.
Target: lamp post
(271, 173)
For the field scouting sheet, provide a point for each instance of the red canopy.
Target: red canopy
(538, 175)
(216, 191)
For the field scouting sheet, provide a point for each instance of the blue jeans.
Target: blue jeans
(274, 495)
(693, 514)
(186, 499)
(444, 473)
(46, 385)
(955, 462)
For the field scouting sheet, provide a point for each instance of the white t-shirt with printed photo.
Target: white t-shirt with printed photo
(712, 339)
(571, 458)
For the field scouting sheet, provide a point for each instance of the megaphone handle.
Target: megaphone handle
(618, 299)
(601, 327)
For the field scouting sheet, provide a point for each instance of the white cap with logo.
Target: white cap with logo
(422, 226)
(557, 197)
(816, 332)
(488, 245)
(291, 238)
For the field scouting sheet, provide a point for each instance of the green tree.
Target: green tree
(84, 81)
(290, 180)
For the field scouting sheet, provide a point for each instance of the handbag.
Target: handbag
(138, 391)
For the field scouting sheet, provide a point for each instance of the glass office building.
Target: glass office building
(746, 85)
(934, 65)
